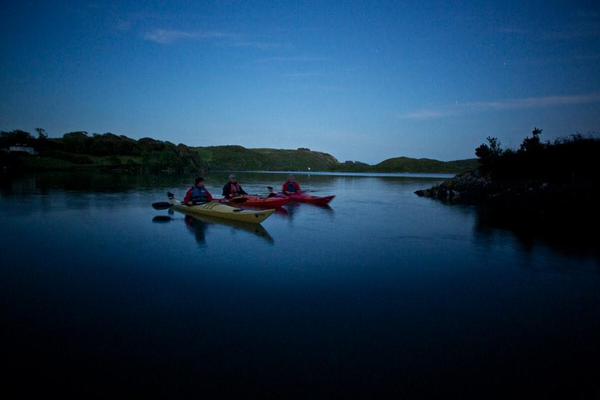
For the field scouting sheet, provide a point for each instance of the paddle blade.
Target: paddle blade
(161, 219)
(161, 205)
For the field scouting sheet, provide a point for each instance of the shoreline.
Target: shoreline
(130, 170)
(432, 175)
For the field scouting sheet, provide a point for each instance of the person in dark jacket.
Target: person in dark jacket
(291, 186)
(271, 192)
(197, 194)
(232, 188)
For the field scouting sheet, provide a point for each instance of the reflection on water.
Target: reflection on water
(572, 239)
(199, 225)
(93, 189)
(383, 292)
(161, 219)
(292, 209)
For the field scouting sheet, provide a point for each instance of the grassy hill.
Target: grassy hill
(117, 152)
(406, 164)
(240, 158)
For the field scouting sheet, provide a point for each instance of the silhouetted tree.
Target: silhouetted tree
(533, 143)
(490, 152)
(16, 137)
(76, 142)
(42, 135)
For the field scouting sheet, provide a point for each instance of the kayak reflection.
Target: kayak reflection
(161, 219)
(293, 209)
(198, 225)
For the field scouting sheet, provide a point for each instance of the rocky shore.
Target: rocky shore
(467, 188)
(527, 201)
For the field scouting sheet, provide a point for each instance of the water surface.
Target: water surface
(381, 292)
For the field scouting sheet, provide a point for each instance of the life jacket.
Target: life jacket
(199, 195)
(234, 189)
(291, 187)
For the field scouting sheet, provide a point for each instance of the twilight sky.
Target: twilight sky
(361, 80)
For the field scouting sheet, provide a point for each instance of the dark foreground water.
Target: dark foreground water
(383, 293)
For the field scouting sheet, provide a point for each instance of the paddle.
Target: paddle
(165, 205)
(239, 199)
(301, 191)
(161, 205)
(161, 219)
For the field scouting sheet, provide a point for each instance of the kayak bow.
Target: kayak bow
(306, 198)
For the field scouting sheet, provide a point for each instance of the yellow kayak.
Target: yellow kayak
(218, 210)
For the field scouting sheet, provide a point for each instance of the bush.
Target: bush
(16, 137)
(488, 154)
(567, 159)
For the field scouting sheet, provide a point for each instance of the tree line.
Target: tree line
(82, 148)
(565, 159)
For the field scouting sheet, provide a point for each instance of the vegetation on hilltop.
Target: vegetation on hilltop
(240, 158)
(564, 160)
(81, 150)
(118, 152)
(549, 183)
(407, 164)
(299, 160)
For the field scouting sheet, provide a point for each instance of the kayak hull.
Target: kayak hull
(222, 211)
(305, 198)
(259, 202)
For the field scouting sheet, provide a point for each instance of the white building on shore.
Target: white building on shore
(19, 148)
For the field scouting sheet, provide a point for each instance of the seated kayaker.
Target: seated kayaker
(232, 188)
(291, 186)
(271, 192)
(197, 194)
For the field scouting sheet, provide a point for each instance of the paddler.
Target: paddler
(197, 194)
(232, 188)
(291, 186)
(271, 192)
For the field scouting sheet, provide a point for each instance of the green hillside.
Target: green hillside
(406, 164)
(79, 150)
(240, 158)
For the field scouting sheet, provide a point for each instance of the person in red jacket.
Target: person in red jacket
(291, 186)
(197, 194)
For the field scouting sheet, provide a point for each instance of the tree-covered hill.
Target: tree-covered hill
(240, 158)
(118, 152)
(407, 164)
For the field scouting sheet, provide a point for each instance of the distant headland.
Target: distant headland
(22, 151)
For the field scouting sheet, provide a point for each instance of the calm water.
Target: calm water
(384, 292)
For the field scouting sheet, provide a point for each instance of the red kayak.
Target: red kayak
(258, 202)
(306, 198)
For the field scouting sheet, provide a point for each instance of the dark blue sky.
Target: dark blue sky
(361, 80)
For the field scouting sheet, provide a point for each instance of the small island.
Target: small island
(546, 185)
